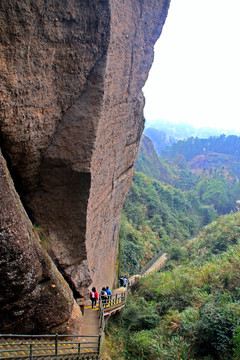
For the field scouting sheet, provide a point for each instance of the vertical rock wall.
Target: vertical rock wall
(33, 295)
(135, 26)
(71, 120)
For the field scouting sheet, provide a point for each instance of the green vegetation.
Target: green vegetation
(193, 147)
(149, 163)
(163, 134)
(155, 216)
(41, 233)
(216, 156)
(191, 309)
(160, 139)
(213, 177)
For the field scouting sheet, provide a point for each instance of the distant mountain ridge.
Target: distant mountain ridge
(160, 139)
(207, 154)
(210, 160)
(149, 163)
(184, 130)
(163, 133)
(195, 146)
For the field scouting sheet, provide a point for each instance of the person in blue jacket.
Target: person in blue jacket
(108, 291)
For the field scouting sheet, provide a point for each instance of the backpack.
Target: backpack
(92, 295)
(104, 294)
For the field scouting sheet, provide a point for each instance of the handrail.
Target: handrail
(80, 349)
(46, 336)
(151, 262)
(36, 346)
(55, 348)
(113, 300)
(58, 345)
(101, 316)
(101, 325)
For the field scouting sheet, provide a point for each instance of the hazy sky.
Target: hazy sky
(195, 77)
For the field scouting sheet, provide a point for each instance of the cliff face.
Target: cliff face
(71, 105)
(31, 286)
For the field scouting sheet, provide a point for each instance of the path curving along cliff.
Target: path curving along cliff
(71, 121)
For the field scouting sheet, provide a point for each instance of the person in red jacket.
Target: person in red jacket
(94, 297)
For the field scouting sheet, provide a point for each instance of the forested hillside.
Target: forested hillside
(163, 214)
(155, 217)
(195, 146)
(163, 133)
(152, 165)
(215, 153)
(191, 309)
(160, 139)
(212, 177)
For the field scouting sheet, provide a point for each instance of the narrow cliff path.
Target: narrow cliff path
(150, 267)
(157, 265)
(90, 330)
(90, 324)
(87, 344)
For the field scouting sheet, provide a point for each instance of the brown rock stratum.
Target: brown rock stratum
(31, 286)
(71, 120)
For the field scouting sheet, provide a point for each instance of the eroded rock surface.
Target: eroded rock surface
(33, 295)
(72, 74)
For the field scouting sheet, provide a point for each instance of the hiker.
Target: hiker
(125, 280)
(104, 295)
(121, 281)
(108, 291)
(94, 297)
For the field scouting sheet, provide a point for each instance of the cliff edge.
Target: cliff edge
(71, 121)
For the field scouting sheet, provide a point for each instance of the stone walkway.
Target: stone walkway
(90, 323)
(157, 265)
(89, 329)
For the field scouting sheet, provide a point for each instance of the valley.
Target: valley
(189, 309)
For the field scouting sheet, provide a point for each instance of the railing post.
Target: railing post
(99, 343)
(56, 346)
(31, 352)
(79, 348)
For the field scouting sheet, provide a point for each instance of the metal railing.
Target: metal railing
(113, 300)
(151, 262)
(58, 346)
(101, 325)
(49, 346)
(101, 316)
